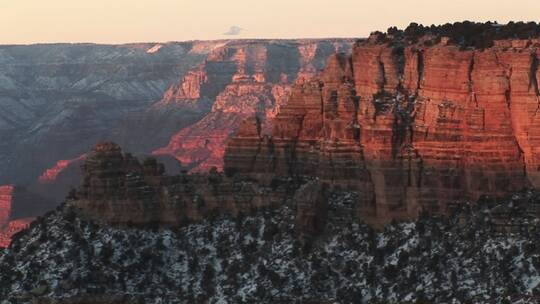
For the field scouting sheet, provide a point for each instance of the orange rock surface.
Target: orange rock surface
(6, 196)
(50, 175)
(9, 227)
(410, 129)
(256, 80)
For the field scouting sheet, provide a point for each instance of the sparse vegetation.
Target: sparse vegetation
(257, 258)
(465, 34)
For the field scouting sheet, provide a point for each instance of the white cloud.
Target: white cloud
(233, 31)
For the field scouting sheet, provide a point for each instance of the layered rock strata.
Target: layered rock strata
(119, 189)
(9, 224)
(409, 128)
(6, 196)
(51, 175)
(11, 228)
(59, 100)
(256, 78)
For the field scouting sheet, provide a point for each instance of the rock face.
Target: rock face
(410, 128)
(119, 189)
(50, 175)
(312, 208)
(202, 145)
(6, 229)
(12, 201)
(11, 229)
(255, 78)
(6, 195)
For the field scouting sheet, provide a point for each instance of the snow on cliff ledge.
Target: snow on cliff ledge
(154, 49)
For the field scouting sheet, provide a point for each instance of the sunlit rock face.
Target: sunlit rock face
(256, 79)
(202, 145)
(51, 175)
(8, 227)
(411, 129)
(11, 228)
(13, 202)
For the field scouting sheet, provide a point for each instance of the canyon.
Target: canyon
(68, 97)
(411, 128)
(177, 101)
(259, 80)
(400, 168)
(407, 129)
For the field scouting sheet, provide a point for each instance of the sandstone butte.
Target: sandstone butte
(121, 190)
(410, 129)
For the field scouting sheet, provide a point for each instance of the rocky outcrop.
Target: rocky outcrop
(455, 259)
(50, 175)
(9, 222)
(119, 189)
(11, 228)
(311, 209)
(410, 128)
(189, 89)
(6, 197)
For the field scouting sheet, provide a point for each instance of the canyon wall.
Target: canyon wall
(255, 79)
(51, 175)
(59, 100)
(6, 195)
(13, 202)
(410, 128)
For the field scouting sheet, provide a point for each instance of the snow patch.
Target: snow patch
(154, 49)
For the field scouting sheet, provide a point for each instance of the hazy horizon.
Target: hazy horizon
(123, 21)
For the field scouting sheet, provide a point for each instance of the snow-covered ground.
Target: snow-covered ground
(260, 259)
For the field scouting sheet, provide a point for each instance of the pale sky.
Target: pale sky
(120, 21)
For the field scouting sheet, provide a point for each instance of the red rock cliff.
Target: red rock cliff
(6, 195)
(50, 175)
(257, 81)
(410, 129)
(8, 225)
